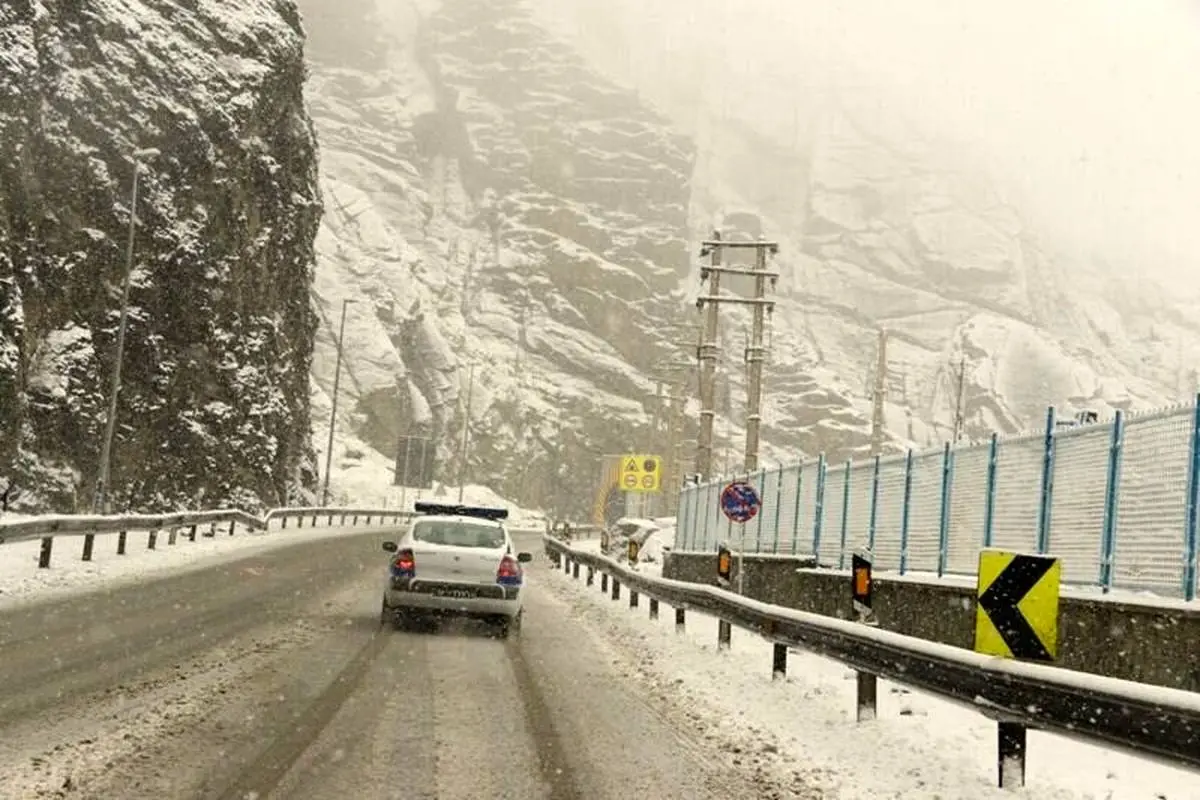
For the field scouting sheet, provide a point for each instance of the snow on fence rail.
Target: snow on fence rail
(1149, 720)
(1118, 501)
(47, 528)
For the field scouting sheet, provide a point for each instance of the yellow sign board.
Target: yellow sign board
(640, 473)
(1016, 606)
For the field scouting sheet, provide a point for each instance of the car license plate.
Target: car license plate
(457, 594)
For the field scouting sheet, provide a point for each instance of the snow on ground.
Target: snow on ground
(22, 581)
(803, 728)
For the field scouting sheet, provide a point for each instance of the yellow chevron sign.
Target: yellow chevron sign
(1016, 606)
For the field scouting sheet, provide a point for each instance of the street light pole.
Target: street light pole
(337, 379)
(100, 503)
(466, 432)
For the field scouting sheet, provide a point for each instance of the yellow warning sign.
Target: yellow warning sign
(640, 473)
(1016, 606)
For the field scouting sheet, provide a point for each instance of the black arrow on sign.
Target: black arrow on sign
(1001, 599)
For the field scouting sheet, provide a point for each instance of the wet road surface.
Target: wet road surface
(271, 677)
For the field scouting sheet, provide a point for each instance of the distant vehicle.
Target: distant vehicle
(615, 538)
(454, 560)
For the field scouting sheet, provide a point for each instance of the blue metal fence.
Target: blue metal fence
(1118, 501)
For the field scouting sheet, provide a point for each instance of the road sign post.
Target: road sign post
(1016, 616)
(861, 602)
(724, 566)
(740, 503)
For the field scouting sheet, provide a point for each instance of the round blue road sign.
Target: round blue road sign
(739, 501)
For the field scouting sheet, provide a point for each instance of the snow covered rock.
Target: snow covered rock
(214, 401)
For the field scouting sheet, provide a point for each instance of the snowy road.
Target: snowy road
(270, 677)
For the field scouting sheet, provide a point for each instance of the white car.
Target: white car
(455, 560)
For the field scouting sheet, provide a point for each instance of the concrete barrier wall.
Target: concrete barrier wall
(1156, 644)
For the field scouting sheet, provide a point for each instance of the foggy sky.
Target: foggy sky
(1089, 110)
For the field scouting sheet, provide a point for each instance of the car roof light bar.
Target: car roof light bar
(448, 510)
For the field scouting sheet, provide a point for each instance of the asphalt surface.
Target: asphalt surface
(271, 677)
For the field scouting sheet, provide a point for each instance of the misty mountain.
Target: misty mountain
(507, 203)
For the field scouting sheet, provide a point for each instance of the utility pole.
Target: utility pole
(100, 503)
(657, 418)
(706, 354)
(337, 377)
(879, 395)
(755, 349)
(958, 399)
(675, 377)
(466, 433)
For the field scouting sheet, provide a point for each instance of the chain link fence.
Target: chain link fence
(1117, 501)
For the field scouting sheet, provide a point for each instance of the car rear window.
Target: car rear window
(458, 534)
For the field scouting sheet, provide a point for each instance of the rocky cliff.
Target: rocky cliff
(214, 403)
(491, 201)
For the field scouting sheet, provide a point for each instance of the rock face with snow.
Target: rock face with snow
(493, 199)
(214, 402)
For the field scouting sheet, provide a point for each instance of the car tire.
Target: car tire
(509, 627)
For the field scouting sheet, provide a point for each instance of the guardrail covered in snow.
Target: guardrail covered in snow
(47, 528)
(1150, 720)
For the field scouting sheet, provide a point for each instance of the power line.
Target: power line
(755, 352)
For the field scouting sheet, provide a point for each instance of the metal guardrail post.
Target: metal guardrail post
(1010, 754)
(904, 514)
(89, 542)
(819, 508)
(944, 519)
(44, 553)
(845, 513)
(152, 540)
(653, 608)
(1191, 539)
(1047, 501)
(1112, 496)
(779, 661)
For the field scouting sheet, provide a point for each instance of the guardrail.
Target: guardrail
(47, 528)
(575, 531)
(1148, 720)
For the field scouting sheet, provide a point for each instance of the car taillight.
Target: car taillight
(405, 566)
(509, 573)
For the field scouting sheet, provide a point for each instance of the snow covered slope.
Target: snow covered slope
(494, 197)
